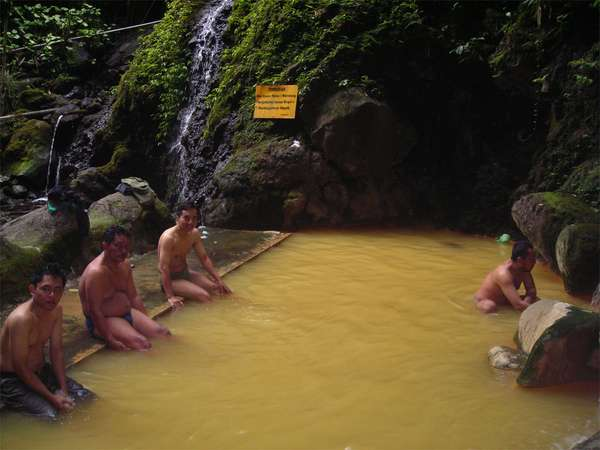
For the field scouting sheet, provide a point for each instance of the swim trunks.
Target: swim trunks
(89, 323)
(16, 395)
(181, 275)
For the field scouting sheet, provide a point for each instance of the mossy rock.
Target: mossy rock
(578, 257)
(27, 152)
(542, 216)
(146, 223)
(16, 266)
(35, 98)
(584, 182)
(64, 83)
(561, 341)
(35, 238)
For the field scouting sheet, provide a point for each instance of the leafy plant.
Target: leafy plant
(38, 36)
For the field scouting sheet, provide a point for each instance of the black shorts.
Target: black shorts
(16, 395)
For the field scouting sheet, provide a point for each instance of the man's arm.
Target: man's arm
(505, 282)
(135, 300)
(530, 290)
(207, 264)
(19, 349)
(165, 249)
(56, 351)
(95, 287)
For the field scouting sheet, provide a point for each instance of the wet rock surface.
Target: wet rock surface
(543, 215)
(561, 342)
(578, 257)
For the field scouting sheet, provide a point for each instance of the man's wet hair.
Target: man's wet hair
(182, 206)
(111, 233)
(51, 269)
(520, 249)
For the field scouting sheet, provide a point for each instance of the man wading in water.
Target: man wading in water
(177, 280)
(500, 285)
(112, 307)
(27, 383)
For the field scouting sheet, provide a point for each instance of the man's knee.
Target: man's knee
(138, 343)
(162, 330)
(486, 306)
(201, 296)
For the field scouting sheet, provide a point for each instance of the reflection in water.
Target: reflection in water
(332, 340)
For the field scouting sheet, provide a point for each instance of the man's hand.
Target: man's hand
(222, 288)
(175, 301)
(62, 402)
(116, 344)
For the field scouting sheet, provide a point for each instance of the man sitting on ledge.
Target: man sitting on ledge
(112, 307)
(500, 285)
(177, 280)
(27, 383)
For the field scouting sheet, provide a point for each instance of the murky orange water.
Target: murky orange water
(333, 340)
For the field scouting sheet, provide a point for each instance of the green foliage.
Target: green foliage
(51, 27)
(159, 70)
(304, 42)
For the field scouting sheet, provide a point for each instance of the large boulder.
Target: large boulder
(542, 216)
(561, 341)
(578, 257)
(16, 266)
(26, 155)
(34, 238)
(362, 136)
(145, 221)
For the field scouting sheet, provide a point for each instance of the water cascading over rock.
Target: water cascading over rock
(187, 148)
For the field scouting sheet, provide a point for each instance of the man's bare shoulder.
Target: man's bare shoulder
(167, 235)
(20, 316)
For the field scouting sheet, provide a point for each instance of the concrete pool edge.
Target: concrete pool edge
(164, 308)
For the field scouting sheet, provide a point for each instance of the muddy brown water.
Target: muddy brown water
(332, 340)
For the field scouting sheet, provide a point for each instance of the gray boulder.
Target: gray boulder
(146, 222)
(578, 257)
(362, 136)
(561, 341)
(542, 216)
(31, 239)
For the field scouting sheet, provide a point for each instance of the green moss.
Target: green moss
(114, 167)
(26, 152)
(35, 98)
(304, 44)
(16, 266)
(584, 182)
(157, 76)
(568, 206)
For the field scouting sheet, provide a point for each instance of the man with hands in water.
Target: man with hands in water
(500, 285)
(27, 383)
(177, 280)
(112, 307)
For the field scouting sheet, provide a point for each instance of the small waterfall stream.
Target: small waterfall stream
(208, 44)
(50, 158)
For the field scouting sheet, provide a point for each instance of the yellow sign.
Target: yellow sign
(276, 102)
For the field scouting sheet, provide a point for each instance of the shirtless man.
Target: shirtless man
(177, 279)
(500, 285)
(112, 307)
(27, 383)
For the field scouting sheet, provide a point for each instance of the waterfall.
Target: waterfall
(82, 148)
(208, 44)
(50, 157)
